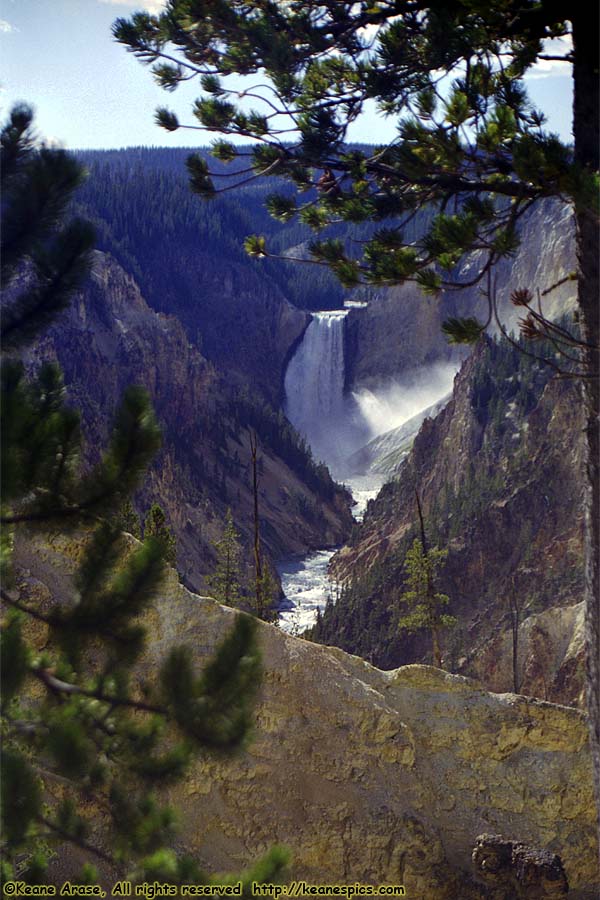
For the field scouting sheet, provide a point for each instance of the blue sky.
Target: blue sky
(59, 55)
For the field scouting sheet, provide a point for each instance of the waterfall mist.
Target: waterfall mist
(394, 402)
(337, 424)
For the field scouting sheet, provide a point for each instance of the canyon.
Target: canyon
(367, 762)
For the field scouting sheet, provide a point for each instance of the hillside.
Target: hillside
(498, 473)
(110, 338)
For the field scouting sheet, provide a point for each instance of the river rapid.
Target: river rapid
(305, 582)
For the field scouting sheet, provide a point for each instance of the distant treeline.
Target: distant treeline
(142, 206)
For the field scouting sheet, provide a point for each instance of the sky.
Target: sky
(89, 92)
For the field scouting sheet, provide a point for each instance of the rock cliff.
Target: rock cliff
(550, 657)
(110, 338)
(498, 472)
(366, 775)
(400, 329)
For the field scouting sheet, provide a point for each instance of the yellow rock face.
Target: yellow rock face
(383, 776)
(374, 776)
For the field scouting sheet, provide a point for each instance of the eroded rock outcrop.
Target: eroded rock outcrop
(550, 657)
(515, 871)
(367, 775)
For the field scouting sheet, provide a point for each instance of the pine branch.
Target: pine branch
(57, 686)
(23, 607)
(78, 841)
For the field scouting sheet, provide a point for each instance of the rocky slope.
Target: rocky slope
(550, 657)
(367, 776)
(384, 454)
(110, 338)
(400, 329)
(498, 476)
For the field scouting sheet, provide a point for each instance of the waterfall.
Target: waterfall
(314, 387)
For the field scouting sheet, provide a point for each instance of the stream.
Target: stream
(305, 582)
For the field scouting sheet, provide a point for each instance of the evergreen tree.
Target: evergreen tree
(225, 580)
(128, 520)
(264, 584)
(71, 717)
(426, 605)
(471, 156)
(266, 609)
(156, 526)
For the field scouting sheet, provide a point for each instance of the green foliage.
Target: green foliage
(215, 708)
(280, 207)
(265, 609)
(462, 331)
(475, 160)
(425, 604)
(226, 578)
(21, 798)
(223, 150)
(128, 520)
(14, 657)
(51, 258)
(156, 526)
(200, 181)
(77, 714)
(254, 245)
(166, 119)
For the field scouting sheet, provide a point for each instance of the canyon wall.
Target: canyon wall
(110, 338)
(499, 476)
(400, 329)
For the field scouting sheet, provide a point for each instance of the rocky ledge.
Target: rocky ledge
(367, 775)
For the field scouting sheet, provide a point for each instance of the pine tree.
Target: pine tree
(156, 526)
(225, 580)
(71, 717)
(128, 520)
(471, 157)
(267, 610)
(426, 605)
(264, 583)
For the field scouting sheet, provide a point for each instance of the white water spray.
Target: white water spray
(335, 425)
(314, 389)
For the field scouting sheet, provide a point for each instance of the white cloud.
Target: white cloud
(551, 68)
(151, 6)
(6, 27)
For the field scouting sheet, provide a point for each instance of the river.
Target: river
(305, 582)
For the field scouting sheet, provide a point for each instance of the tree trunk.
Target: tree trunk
(585, 130)
(514, 620)
(437, 653)
(257, 559)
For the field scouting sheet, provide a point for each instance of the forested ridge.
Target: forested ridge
(139, 198)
